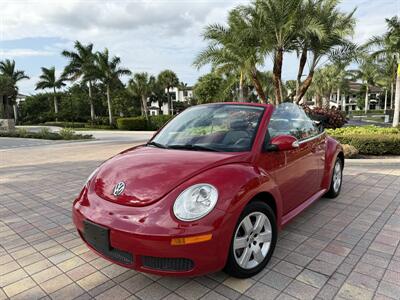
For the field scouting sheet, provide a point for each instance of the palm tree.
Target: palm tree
(326, 37)
(7, 68)
(323, 84)
(81, 66)
(235, 49)
(7, 89)
(140, 85)
(108, 72)
(369, 74)
(48, 80)
(168, 79)
(389, 47)
(278, 28)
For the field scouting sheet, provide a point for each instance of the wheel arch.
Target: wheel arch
(267, 198)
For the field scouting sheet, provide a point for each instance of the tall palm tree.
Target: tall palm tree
(81, 66)
(369, 73)
(278, 28)
(7, 89)
(235, 49)
(7, 68)
(168, 79)
(48, 80)
(140, 85)
(328, 39)
(389, 46)
(109, 72)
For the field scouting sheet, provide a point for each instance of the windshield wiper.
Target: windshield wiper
(158, 145)
(193, 147)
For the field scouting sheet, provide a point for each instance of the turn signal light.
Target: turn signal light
(191, 239)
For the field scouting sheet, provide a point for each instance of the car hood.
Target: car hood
(149, 173)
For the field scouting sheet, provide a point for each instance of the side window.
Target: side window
(289, 118)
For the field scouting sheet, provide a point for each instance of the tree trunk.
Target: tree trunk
(92, 115)
(344, 103)
(304, 87)
(366, 100)
(55, 102)
(386, 98)
(318, 100)
(302, 63)
(241, 97)
(169, 102)
(329, 100)
(258, 86)
(6, 107)
(397, 99)
(277, 76)
(144, 105)
(15, 109)
(109, 105)
(391, 95)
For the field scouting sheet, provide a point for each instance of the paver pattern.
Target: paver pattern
(345, 248)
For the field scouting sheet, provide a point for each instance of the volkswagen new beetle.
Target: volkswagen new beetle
(209, 191)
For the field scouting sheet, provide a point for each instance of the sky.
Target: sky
(149, 36)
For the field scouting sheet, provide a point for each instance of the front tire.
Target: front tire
(337, 179)
(253, 241)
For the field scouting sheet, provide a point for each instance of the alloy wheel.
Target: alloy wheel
(252, 240)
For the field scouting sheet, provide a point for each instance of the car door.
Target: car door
(295, 171)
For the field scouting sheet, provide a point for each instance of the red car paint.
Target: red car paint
(141, 220)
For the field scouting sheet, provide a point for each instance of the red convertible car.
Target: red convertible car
(210, 190)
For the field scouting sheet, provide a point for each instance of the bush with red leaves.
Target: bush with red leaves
(330, 118)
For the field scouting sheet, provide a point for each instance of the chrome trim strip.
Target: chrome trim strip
(311, 138)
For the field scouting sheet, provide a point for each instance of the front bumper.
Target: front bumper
(140, 237)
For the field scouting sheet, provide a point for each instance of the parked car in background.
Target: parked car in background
(209, 191)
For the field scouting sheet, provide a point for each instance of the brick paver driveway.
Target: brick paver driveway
(344, 248)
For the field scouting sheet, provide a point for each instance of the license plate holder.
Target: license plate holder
(96, 235)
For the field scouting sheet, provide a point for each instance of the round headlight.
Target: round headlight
(195, 202)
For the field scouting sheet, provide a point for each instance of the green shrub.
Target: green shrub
(156, 122)
(363, 130)
(67, 133)
(372, 144)
(134, 123)
(140, 123)
(44, 132)
(370, 140)
(22, 132)
(370, 112)
(46, 135)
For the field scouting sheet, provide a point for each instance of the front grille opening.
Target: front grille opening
(167, 264)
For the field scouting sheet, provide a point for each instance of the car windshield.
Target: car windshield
(217, 127)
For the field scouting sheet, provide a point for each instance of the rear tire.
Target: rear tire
(337, 179)
(253, 241)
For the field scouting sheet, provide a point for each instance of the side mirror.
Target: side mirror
(282, 143)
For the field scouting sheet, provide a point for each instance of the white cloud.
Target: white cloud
(148, 35)
(11, 53)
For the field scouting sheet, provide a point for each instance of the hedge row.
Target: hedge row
(66, 124)
(46, 134)
(140, 123)
(370, 140)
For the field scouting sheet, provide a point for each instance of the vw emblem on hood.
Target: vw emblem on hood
(119, 188)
